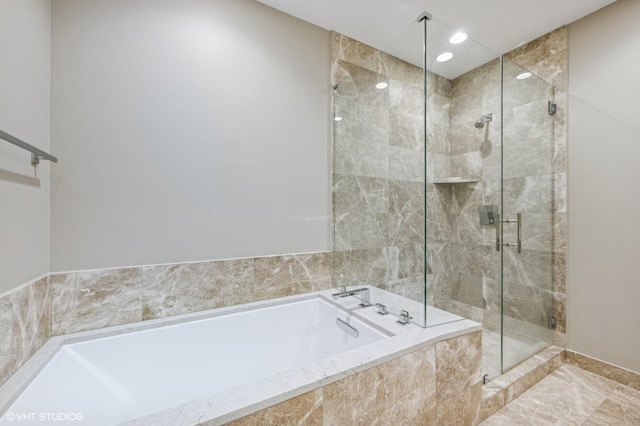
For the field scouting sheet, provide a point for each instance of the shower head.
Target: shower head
(479, 124)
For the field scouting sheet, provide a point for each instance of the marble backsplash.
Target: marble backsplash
(62, 303)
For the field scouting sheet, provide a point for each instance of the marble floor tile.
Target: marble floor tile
(572, 396)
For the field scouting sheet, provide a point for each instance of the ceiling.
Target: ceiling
(500, 25)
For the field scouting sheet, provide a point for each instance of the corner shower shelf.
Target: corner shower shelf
(455, 180)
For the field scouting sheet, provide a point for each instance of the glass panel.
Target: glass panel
(530, 182)
(378, 179)
(463, 174)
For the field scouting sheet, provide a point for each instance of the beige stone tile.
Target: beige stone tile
(509, 416)
(458, 376)
(620, 375)
(95, 299)
(565, 401)
(192, 287)
(493, 399)
(401, 391)
(546, 57)
(31, 306)
(617, 410)
(305, 409)
(579, 378)
(279, 276)
(7, 361)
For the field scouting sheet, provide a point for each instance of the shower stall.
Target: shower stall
(445, 184)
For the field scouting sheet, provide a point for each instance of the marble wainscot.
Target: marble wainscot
(401, 374)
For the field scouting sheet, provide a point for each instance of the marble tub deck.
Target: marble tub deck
(226, 406)
(571, 396)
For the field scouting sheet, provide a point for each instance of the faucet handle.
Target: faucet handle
(382, 309)
(404, 317)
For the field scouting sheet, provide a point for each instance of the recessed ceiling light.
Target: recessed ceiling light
(381, 85)
(458, 38)
(336, 118)
(444, 57)
(523, 76)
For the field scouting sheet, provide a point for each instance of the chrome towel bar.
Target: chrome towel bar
(36, 153)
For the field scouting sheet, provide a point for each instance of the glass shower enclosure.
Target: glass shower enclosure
(444, 185)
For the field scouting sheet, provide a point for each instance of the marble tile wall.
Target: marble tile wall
(436, 385)
(25, 324)
(378, 179)
(64, 303)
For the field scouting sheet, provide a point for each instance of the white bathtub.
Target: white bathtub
(213, 366)
(111, 380)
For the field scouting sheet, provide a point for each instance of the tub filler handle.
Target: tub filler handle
(347, 327)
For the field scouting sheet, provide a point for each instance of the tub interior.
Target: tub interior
(114, 379)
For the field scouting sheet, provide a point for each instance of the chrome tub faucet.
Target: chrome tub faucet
(363, 293)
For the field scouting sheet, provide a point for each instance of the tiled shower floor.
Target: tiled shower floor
(571, 396)
(517, 349)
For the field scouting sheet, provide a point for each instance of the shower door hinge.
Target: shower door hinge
(552, 322)
(552, 108)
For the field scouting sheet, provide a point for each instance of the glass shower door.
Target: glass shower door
(529, 203)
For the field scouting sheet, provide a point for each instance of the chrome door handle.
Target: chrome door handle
(518, 223)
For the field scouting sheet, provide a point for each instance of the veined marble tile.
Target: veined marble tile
(358, 267)
(350, 50)
(279, 276)
(438, 109)
(379, 396)
(361, 194)
(412, 288)
(409, 73)
(406, 197)
(340, 70)
(468, 90)
(438, 84)
(192, 287)
(305, 409)
(529, 157)
(467, 165)
(31, 306)
(468, 289)
(361, 230)
(609, 371)
(518, 92)
(406, 164)
(406, 99)
(404, 261)
(355, 157)
(95, 299)
(438, 138)
(528, 121)
(406, 229)
(7, 361)
(546, 57)
(616, 411)
(406, 131)
(466, 138)
(458, 379)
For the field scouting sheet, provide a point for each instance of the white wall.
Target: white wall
(187, 130)
(603, 290)
(24, 113)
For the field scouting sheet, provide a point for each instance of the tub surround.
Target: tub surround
(413, 358)
(25, 324)
(61, 303)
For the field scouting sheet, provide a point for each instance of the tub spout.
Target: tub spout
(363, 293)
